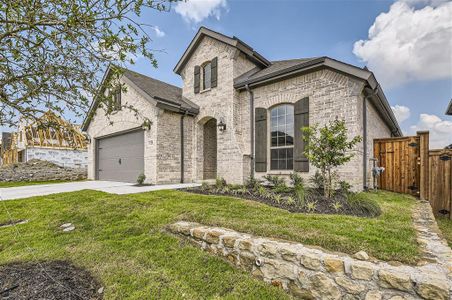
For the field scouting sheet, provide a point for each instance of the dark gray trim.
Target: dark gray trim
(449, 108)
(118, 133)
(234, 42)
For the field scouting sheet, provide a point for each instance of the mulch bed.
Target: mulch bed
(47, 280)
(323, 204)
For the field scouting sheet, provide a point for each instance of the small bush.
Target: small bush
(317, 180)
(344, 186)
(290, 201)
(336, 206)
(205, 186)
(141, 178)
(296, 179)
(220, 183)
(363, 206)
(282, 189)
(253, 183)
(277, 198)
(234, 187)
(311, 206)
(275, 181)
(300, 194)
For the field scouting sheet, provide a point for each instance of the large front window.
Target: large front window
(282, 132)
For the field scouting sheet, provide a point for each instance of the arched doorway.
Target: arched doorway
(210, 149)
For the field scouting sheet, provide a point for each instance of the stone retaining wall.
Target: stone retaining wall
(312, 273)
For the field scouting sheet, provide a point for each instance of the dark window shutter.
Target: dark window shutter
(301, 119)
(214, 72)
(260, 136)
(197, 79)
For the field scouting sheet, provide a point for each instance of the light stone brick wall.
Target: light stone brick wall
(218, 103)
(123, 120)
(331, 95)
(169, 148)
(313, 273)
(376, 128)
(63, 157)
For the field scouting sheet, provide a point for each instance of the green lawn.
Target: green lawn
(4, 184)
(119, 238)
(446, 228)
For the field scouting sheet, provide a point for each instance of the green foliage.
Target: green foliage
(327, 148)
(336, 205)
(296, 179)
(205, 186)
(277, 198)
(220, 183)
(141, 178)
(253, 183)
(344, 186)
(300, 193)
(310, 206)
(290, 201)
(275, 181)
(317, 180)
(363, 205)
(54, 53)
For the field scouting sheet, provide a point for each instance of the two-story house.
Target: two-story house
(237, 114)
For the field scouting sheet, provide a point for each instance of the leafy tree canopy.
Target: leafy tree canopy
(53, 52)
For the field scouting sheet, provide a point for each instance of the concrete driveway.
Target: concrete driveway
(111, 187)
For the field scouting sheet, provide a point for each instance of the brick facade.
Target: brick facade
(331, 95)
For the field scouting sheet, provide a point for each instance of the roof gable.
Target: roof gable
(234, 42)
(449, 108)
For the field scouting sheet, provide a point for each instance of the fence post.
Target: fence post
(424, 171)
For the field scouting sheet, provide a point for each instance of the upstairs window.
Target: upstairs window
(206, 76)
(281, 140)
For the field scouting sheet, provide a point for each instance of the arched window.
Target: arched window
(206, 76)
(282, 132)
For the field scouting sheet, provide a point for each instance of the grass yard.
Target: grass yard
(445, 225)
(4, 184)
(120, 239)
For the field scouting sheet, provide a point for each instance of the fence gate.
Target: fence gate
(401, 159)
(440, 187)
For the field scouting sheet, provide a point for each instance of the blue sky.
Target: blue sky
(416, 81)
(406, 43)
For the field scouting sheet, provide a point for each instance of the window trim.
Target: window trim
(201, 77)
(269, 142)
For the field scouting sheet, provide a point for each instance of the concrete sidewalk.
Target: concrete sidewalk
(111, 187)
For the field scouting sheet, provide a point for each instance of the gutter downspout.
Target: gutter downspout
(251, 128)
(182, 147)
(374, 93)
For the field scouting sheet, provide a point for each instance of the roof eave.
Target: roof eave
(234, 42)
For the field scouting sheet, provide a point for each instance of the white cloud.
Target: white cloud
(409, 43)
(440, 130)
(198, 10)
(158, 32)
(401, 112)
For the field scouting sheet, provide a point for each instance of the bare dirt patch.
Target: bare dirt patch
(47, 280)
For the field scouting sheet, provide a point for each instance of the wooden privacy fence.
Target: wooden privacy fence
(411, 168)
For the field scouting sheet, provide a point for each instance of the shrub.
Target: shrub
(220, 183)
(296, 179)
(300, 194)
(344, 186)
(311, 206)
(363, 206)
(336, 206)
(290, 201)
(317, 180)
(277, 198)
(262, 192)
(205, 186)
(282, 189)
(253, 183)
(141, 178)
(275, 181)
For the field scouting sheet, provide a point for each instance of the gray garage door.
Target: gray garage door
(121, 157)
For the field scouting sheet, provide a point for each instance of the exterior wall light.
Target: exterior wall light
(146, 124)
(221, 126)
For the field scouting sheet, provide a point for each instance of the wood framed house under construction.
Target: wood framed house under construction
(49, 138)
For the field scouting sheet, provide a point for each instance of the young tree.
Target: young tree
(327, 148)
(53, 52)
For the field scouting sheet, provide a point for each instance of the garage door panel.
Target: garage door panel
(121, 157)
